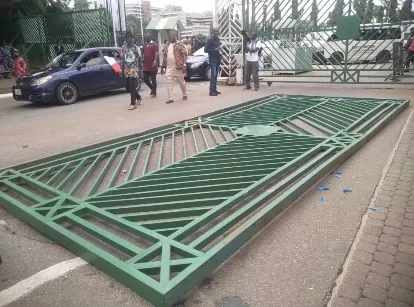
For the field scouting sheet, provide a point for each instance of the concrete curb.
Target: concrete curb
(340, 278)
(6, 95)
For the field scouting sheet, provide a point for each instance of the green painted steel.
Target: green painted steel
(159, 211)
(323, 41)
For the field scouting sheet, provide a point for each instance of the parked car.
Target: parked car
(71, 75)
(197, 65)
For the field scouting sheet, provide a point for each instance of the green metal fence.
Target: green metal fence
(329, 41)
(73, 30)
(159, 211)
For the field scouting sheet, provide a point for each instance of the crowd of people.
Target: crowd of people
(174, 64)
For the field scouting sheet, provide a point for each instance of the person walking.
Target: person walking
(150, 68)
(130, 66)
(409, 51)
(252, 62)
(174, 65)
(20, 66)
(213, 48)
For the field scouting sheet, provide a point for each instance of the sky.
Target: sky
(189, 6)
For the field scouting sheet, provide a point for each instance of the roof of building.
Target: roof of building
(171, 23)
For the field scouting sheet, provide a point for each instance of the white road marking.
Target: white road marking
(6, 95)
(29, 284)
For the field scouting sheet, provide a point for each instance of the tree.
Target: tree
(392, 12)
(277, 13)
(314, 13)
(337, 13)
(379, 13)
(133, 24)
(295, 10)
(81, 5)
(406, 11)
(369, 13)
(360, 7)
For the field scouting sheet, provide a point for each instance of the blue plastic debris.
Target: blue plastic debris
(337, 174)
(346, 190)
(373, 208)
(323, 188)
(321, 200)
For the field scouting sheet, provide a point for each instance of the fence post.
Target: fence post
(397, 62)
(40, 19)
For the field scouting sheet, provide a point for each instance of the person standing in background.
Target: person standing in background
(174, 65)
(150, 51)
(213, 48)
(130, 66)
(20, 65)
(409, 51)
(252, 62)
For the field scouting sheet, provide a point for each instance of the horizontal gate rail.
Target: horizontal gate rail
(202, 189)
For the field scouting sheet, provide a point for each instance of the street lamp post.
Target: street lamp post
(142, 16)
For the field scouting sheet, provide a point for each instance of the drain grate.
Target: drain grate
(161, 210)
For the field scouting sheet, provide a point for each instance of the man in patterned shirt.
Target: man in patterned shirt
(130, 65)
(174, 65)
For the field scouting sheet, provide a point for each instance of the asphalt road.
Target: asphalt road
(293, 262)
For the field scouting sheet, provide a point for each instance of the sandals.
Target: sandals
(185, 97)
(169, 101)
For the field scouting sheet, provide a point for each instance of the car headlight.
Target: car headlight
(42, 80)
(198, 64)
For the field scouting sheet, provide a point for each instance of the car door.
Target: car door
(109, 77)
(89, 68)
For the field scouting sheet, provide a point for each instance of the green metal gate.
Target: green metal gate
(159, 211)
(327, 41)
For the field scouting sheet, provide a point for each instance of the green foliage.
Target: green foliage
(295, 11)
(379, 13)
(277, 13)
(80, 5)
(369, 14)
(360, 7)
(406, 11)
(392, 13)
(337, 12)
(133, 25)
(314, 14)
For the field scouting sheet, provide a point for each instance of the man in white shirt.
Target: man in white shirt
(252, 62)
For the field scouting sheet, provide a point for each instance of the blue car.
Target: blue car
(71, 75)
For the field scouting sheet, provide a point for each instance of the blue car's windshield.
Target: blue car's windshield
(64, 60)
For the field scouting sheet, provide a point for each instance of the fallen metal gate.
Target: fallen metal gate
(159, 211)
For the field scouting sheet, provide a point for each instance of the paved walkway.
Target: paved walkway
(379, 270)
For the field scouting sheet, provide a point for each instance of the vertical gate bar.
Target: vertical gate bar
(172, 147)
(118, 168)
(161, 149)
(101, 175)
(91, 167)
(165, 263)
(134, 161)
(184, 146)
(223, 134)
(194, 139)
(204, 137)
(72, 174)
(214, 136)
(57, 174)
(144, 168)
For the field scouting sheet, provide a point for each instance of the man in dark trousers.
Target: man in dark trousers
(150, 68)
(213, 48)
(252, 62)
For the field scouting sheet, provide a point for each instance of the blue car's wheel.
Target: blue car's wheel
(66, 93)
